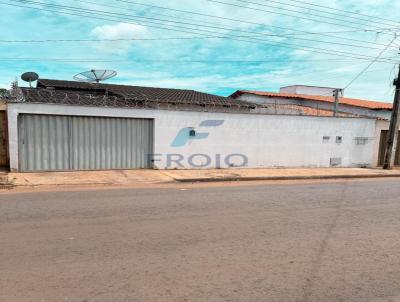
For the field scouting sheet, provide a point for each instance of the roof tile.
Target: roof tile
(73, 92)
(330, 99)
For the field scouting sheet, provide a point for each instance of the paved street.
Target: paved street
(318, 241)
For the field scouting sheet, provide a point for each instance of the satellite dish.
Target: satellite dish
(95, 75)
(29, 77)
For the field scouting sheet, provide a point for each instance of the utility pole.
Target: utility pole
(391, 144)
(336, 93)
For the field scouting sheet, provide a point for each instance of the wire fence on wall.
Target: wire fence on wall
(134, 101)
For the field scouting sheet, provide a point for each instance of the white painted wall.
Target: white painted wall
(309, 90)
(267, 140)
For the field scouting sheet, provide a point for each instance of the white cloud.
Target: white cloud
(118, 31)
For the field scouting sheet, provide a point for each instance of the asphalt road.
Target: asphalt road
(337, 241)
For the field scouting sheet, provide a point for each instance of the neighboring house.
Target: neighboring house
(313, 100)
(67, 125)
(310, 90)
(346, 105)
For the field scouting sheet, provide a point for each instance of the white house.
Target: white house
(310, 90)
(65, 125)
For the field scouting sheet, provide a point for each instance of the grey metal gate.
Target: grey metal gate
(52, 142)
(43, 142)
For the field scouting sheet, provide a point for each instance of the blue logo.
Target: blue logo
(189, 133)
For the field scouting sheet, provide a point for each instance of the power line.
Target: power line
(187, 23)
(283, 14)
(138, 39)
(340, 10)
(312, 14)
(107, 40)
(126, 40)
(102, 13)
(63, 60)
(94, 14)
(370, 64)
(184, 61)
(333, 13)
(116, 40)
(298, 32)
(252, 32)
(190, 24)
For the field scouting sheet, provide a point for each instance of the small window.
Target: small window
(192, 132)
(325, 139)
(361, 140)
(339, 139)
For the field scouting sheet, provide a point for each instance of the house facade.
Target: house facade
(65, 125)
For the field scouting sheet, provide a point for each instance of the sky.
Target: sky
(215, 46)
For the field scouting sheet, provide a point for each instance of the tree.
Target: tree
(2, 91)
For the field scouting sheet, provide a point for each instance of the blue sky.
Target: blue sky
(266, 47)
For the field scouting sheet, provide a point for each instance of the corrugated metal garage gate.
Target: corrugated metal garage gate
(53, 142)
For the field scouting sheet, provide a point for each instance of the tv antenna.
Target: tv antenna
(95, 75)
(29, 77)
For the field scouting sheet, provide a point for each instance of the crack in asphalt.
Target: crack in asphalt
(323, 246)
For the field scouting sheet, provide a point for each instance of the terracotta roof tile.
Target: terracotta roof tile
(330, 99)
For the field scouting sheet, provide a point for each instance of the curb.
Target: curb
(5, 184)
(255, 178)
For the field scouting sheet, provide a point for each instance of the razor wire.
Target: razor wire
(142, 101)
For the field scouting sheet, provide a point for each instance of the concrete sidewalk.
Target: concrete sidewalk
(79, 178)
(277, 174)
(132, 177)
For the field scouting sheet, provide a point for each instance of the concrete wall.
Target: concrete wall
(386, 114)
(266, 140)
(309, 90)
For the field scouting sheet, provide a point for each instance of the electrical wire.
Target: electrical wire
(369, 65)
(264, 34)
(310, 13)
(186, 23)
(339, 10)
(284, 45)
(185, 61)
(252, 32)
(369, 20)
(283, 14)
(296, 31)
